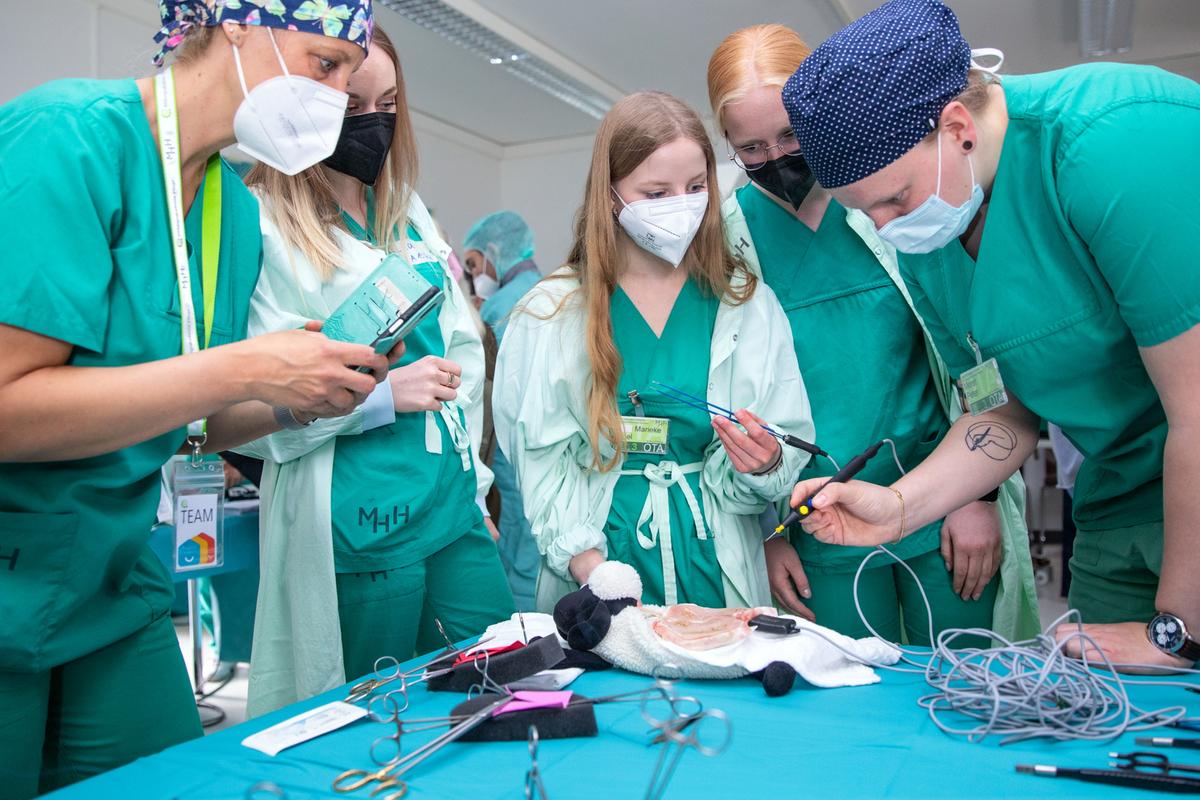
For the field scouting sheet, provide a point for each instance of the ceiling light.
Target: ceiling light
(1105, 27)
(484, 43)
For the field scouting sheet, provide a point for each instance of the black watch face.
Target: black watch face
(1167, 633)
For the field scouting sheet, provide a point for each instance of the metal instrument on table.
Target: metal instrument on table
(387, 670)
(1142, 761)
(388, 776)
(1167, 741)
(682, 723)
(1117, 777)
(534, 788)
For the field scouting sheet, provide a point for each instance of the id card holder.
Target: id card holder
(199, 513)
(646, 435)
(385, 307)
(982, 386)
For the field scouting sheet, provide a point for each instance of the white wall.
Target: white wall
(460, 175)
(544, 184)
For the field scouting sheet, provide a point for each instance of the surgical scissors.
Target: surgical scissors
(1142, 761)
(686, 724)
(533, 776)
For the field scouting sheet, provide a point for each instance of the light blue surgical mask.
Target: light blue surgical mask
(935, 223)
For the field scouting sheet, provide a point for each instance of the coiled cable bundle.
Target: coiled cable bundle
(1029, 689)
(1025, 690)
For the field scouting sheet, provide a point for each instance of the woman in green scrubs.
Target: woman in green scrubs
(391, 538)
(95, 394)
(869, 371)
(612, 462)
(1048, 224)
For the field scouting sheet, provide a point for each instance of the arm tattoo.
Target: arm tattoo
(993, 439)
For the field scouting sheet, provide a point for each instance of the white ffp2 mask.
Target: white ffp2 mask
(288, 122)
(485, 285)
(664, 226)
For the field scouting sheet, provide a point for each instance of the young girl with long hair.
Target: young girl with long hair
(612, 464)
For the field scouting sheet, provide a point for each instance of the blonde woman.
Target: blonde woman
(871, 373)
(372, 529)
(609, 464)
(104, 369)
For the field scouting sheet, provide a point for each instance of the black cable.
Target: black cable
(201, 697)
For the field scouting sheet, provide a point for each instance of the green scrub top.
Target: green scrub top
(88, 260)
(1088, 252)
(861, 352)
(393, 502)
(680, 358)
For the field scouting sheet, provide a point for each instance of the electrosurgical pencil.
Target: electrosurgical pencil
(852, 468)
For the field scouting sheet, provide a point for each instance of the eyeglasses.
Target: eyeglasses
(753, 156)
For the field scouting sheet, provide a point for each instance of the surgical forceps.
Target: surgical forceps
(684, 725)
(533, 776)
(387, 670)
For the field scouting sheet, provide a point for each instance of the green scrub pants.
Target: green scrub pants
(125, 701)
(1114, 573)
(392, 612)
(892, 602)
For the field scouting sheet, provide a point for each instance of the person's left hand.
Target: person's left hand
(1122, 643)
(492, 529)
(972, 547)
(749, 452)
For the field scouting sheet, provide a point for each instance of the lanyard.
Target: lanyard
(168, 137)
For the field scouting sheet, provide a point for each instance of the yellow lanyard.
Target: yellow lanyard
(168, 137)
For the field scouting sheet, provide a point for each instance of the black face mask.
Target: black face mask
(787, 177)
(363, 146)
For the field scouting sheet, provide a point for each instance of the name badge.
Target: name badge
(646, 435)
(983, 388)
(199, 513)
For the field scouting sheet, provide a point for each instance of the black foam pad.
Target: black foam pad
(572, 722)
(539, 654)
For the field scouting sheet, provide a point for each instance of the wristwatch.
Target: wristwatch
(1168, 633)
(287, 419)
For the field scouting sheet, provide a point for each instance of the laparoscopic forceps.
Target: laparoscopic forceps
(680, 396)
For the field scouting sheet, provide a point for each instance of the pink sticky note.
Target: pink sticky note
(527, 701)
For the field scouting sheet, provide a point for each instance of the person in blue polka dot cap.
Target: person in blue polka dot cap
(1046, 226)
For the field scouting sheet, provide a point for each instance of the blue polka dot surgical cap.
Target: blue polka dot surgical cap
(876, 88)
